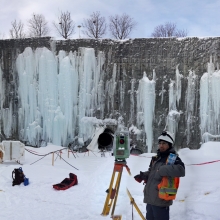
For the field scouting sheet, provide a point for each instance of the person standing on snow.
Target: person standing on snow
(162, 179)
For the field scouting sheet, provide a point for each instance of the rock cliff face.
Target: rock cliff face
(176, 66)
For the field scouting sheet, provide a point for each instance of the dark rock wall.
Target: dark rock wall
(133, 57)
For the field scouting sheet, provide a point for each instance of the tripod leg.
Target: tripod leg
(107, 206)
(135, 205)
(117, 190)
(113, 191)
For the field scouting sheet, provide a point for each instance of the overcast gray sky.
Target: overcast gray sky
(199, 17)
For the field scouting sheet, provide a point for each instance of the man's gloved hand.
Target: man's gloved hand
(140, 177)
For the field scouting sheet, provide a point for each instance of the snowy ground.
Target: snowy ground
(198, 196)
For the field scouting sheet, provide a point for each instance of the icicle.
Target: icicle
(190, 102)
(132, 94)
(174, 98)
(178, 85)
(2, 96)
(48, 88)
(90, 87)
(145, 107)
(172, 121)
(162, 92)
(7, 120)
(210, 101)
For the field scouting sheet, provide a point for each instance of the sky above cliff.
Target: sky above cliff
(199, 18)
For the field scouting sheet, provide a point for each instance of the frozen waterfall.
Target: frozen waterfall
(191, 104)
(61, 94)
(210, 101)
(174, 98)
(145, 107)
(56, 92)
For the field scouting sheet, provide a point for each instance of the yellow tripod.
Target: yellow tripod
(113, 190)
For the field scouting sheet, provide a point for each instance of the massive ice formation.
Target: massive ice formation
(56, 92)
(174, 98)
(210, 101)
(191, 104)
(145, 107)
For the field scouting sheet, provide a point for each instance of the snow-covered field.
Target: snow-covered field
(198, 197)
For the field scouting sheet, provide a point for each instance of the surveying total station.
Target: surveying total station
(121, 145)
(121, 151)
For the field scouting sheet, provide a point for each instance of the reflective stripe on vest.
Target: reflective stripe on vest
(168, 190)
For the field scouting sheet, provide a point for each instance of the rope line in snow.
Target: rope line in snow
(139, 155)
(42, 156)
(66, 161)
(214, 161)
(38, 160)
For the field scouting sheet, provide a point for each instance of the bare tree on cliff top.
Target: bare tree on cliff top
(17, 30)
(121, 26)
(95, 26)
(38, 26)
(65, 26)
(168, 30)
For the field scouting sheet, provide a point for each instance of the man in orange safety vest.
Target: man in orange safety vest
(162, 178)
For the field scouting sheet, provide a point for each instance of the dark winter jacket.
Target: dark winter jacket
(157, 170)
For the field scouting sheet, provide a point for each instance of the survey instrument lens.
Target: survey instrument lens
(122, 141)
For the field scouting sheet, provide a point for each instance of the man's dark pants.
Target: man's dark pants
(157, 212)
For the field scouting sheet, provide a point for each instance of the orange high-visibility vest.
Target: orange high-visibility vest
(168, 187)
